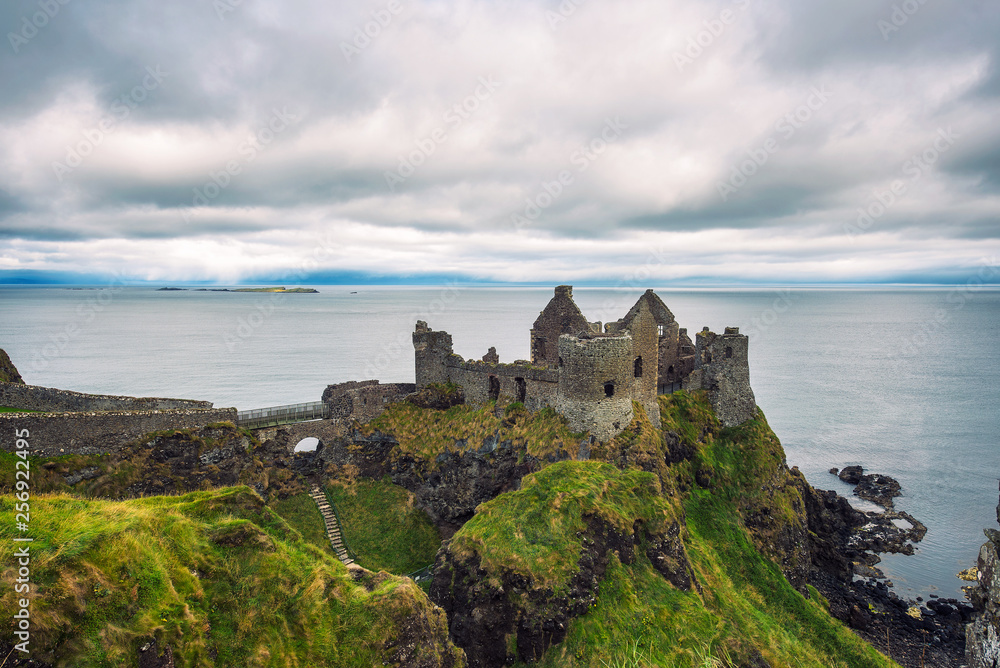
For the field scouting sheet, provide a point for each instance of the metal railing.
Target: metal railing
(278, 415)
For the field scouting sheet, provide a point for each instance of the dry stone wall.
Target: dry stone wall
(48, 399)
(53, 434)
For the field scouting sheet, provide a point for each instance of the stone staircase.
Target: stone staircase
(332, 525)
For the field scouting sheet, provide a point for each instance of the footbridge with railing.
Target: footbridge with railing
(279, 415)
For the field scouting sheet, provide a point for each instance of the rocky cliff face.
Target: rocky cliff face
(506, 610)
(8, 372)
(982, 636)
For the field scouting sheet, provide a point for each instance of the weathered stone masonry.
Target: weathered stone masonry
(35, 398)
(593, 377)
(54, 434)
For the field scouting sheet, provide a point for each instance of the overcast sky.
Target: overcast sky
(664, 141)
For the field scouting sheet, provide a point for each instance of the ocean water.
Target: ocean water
(904, 382)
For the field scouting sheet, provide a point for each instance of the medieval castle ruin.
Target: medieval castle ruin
(593, 375)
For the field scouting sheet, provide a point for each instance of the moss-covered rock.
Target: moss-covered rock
(8, 372)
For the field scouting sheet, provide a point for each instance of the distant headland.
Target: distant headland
(301, 291)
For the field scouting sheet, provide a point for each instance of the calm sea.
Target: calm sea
(902, 382)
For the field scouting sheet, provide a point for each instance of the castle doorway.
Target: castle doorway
(494, 388)
(522, 389)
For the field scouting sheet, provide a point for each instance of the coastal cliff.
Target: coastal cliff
(671, 545)
(983, 634)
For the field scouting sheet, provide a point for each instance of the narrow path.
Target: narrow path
(332, 525)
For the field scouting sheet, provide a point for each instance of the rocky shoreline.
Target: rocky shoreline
(913, 633)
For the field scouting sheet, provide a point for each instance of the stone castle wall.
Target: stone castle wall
(54, 434)
(363, 400)
(535, 387)
(48, 399)
(595, 383)
(723, 370)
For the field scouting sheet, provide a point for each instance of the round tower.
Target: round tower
(596, 383)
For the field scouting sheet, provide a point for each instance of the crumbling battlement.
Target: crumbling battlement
(723, 369)
(363, 400)
(593, 377)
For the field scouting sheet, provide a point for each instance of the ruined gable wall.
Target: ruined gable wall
(645, 353)
(560, 316)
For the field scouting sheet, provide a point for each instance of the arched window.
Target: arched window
(637, 367)
(729, 352)
(609, 390)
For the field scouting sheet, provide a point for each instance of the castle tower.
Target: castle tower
(430, 350)
(596, 379)
(722, 367)
(560, 316)
(645, 367)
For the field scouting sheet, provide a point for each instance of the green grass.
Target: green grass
(4, 409)
(427, 433)
(383, 528)
(217, 575)
(302, 514)
(745, 607)
(538, 530)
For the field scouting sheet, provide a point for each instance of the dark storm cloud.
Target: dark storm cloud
(491, 139)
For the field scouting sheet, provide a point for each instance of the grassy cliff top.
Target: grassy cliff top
(538, 530)
(216, 575)
(426, 433)
(745, 609)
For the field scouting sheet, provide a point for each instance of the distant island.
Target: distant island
(309, 291)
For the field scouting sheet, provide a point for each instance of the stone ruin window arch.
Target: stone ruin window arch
(521, 389)
(729, 352)
(660, 330)
(609, 389)
(637, 367)
(494, 388)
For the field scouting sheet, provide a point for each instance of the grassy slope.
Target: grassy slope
(428, 433)
(216, 575)
(383, 528)
(640, 620)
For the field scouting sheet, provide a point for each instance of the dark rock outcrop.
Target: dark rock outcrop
(982, 636)
(850, 474)
(500, 617)
(8, 372)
